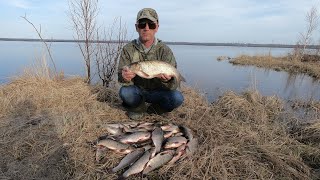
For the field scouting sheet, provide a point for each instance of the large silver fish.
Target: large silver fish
(157, 139)
(100, 153)
(179, 152)
(158, 161)
(114, 131)
(150, 69)
(129, 159)
(116, 146)
(174, 142)
(187, 132)
(136, 137)
(192, 146)
(138, 166)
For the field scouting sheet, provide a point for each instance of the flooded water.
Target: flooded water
(197, 64)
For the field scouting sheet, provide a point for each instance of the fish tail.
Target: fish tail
(111, 171)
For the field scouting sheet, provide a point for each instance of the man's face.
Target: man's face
(146, 29)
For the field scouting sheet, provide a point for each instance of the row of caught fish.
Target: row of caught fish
(147, 146)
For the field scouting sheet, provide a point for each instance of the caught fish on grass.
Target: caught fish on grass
(138, 166)
(175, 142)
(157, 139)
(128, 159)
(158, 161)
(148, 146)
(179, 152)
(187, 132)
(114, 145)
(151, 69)
(136, 137)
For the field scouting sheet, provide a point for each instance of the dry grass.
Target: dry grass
(46, 124)
(280, 64)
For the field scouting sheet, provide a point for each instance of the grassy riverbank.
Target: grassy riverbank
(46, 124)
(287, 63)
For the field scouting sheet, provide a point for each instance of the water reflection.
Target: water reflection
(203, 71)
(198, 64)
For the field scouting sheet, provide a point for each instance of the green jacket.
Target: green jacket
(134, 52)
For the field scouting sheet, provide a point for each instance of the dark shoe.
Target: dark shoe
(137, 112)
(135, 115)
(156, 109)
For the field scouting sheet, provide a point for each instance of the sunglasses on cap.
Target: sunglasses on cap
(143, 24)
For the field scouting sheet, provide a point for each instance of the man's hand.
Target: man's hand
(164, 77)
(127, 74)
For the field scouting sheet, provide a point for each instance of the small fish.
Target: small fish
(173, 128)
(153, 152)
(178, 134)
(179, 152)
(138, 166)
(145, 124)
(136, 137)
(114, 145)
(166, 127)
(150, 69)
(142, 144)
(147, 147)
(115, 125)
(192, 146)
(131, 124)
(157, 139)
(186, 132)
(114, 131)
(100, 153)
(128, 159)
(133, 130)
(174, 142)
(168, 134)
(158, 161)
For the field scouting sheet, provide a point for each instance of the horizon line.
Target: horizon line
(168, 42)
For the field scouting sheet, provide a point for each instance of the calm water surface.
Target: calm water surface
(198, 65)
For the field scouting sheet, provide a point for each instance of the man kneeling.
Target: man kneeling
(160, 91)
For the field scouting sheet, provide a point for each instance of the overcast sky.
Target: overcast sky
(244, 21)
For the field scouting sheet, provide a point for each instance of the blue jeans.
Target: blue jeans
(133, 96)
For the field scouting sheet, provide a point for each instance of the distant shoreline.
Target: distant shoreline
(169, 43)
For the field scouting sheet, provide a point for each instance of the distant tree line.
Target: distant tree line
(171, 43)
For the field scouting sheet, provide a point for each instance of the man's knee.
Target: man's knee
(130, 95)
(174, 100)
(177, 98)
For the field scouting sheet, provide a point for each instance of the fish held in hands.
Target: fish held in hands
(151, 69)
